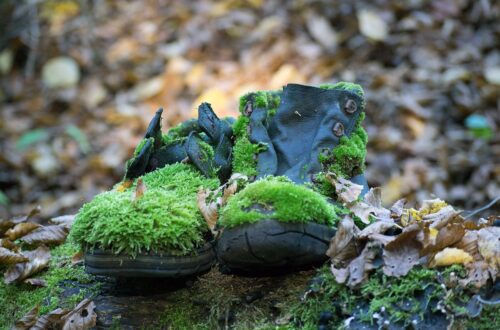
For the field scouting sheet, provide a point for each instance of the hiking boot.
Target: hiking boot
(149, 225)
(287, 141)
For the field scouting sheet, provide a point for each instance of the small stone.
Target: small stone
(61, 72)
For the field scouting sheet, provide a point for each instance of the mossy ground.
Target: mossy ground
(280, 199)
(67, 285)
(165, 219)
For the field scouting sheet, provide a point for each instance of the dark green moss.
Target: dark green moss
(18, 299)
(282, 200)
(165, 218)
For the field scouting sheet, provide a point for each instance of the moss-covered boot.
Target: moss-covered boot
(287, 140)
(149, 225)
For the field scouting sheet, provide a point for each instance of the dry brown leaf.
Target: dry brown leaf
(28, 320)
(51, 320)
(446, 236)
(372, 205)
(64, 220)
(347, 191)
(397, 208)
(478, 275)
(208, 210)
(35, 282)
(77, 258)
(488, 241)
(124, 185)
(46, 235)
(82, 317)
(7, 257)
(38, 260)
(8, 244)
(20, 230)
(140, 189)
(441, 218)
(451, 256)
(402, 253)
(468, 243)
(378, 227)
(343, 246)
(359, 267)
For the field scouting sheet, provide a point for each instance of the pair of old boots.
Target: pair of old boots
(262, 177)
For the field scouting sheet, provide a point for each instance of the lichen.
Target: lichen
(17, 299)
(280, 199)
(165, 219)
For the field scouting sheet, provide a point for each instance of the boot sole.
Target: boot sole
(104, 262)
(270, 245)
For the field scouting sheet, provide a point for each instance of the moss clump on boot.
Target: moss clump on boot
(347, 159)
(277, 198)
(165, 219)
(18, 299)
(244, 151)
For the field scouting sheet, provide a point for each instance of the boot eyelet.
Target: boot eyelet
(338, 129)
(350, 106)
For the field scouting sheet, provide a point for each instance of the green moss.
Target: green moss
(277, 198)
(18, 299)
(207, 151)
(166, 218)
(180, 131)
(244, 151)
(141, 145)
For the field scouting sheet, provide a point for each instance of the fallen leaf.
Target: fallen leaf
(35, 282)
(38, 260)
(65, 221)
(51, 320)
(446, 236)
(124, 185)
(477, 276)
(140, 189)
(7, 224)
(77, 258)
(8, 244)
(451, 256)
(359, 267)
(468, 243)
(209, 210)
(397, 208)
(402, 253)
(488, 241)
(28, 320)
(20, 230)
(343, 246)
(7, 257)
(61, 72)
(378, 227)
(46, 235)
(82, 317)
(347, 191)
(372, 25)
(492, 75)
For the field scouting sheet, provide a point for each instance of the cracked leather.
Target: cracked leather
(300, 130)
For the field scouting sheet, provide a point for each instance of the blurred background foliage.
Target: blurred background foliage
(81, 79)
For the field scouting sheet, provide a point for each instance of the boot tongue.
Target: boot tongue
(307, 122)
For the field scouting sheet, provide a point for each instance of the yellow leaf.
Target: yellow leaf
(124, 185)
(450, 256)
(217, 99)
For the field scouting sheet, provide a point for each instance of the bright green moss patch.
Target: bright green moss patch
(180, 131)
(244, 151)
(347, 159)
(141, 145)
(277, 198)
(18, 299)
(165, 219)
